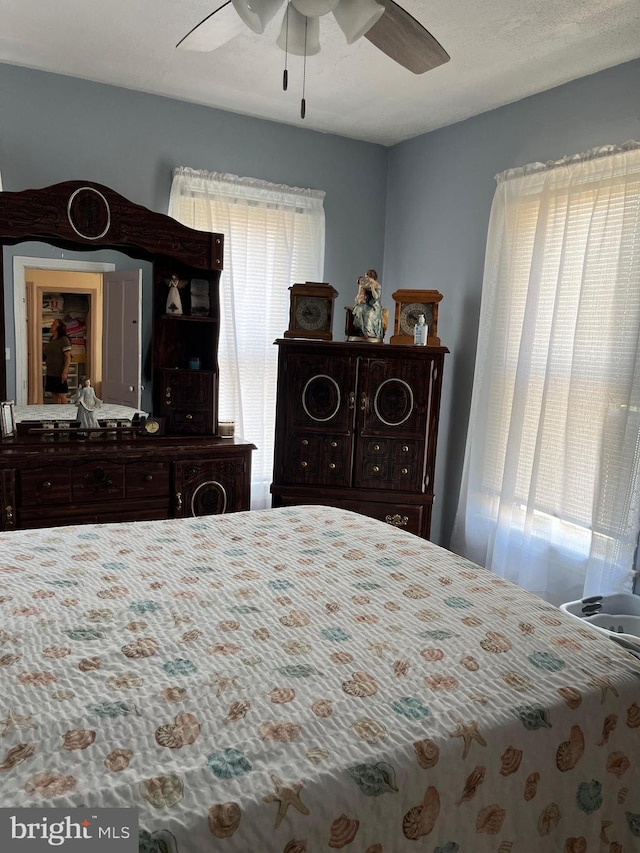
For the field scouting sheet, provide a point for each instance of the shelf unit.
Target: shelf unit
(187, 397)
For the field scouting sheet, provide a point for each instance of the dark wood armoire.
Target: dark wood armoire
(357, 427)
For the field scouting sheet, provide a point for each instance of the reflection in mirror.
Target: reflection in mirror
(36, 275)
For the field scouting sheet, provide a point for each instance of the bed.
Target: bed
(307, 679)
(56, 412)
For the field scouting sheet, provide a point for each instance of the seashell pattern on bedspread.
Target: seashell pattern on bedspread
(308, 679)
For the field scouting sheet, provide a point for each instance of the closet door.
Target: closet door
(319, 416)
(122, 346)
(392, 404)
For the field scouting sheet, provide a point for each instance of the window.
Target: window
(274, 237)
(550, 490)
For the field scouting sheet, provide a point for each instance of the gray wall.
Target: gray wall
(58, 128)
(440, 190)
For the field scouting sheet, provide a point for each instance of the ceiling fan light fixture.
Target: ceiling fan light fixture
(256, 14)
(314, 8)
(356, 17)
(303, 38)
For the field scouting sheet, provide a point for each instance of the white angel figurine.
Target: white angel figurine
(87, 403)
(174, 302)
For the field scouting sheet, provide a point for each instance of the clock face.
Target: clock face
(410, 314)
(151, 427)
(311, 313)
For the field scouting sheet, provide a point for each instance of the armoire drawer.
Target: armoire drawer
(409, 517)
(318, 459)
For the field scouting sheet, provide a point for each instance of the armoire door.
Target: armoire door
(392, 406)
(320, 412)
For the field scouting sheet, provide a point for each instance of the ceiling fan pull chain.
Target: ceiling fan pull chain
(303, 102)
(285, 73)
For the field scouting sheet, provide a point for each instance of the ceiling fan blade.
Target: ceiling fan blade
(405, 40)
(213, 31)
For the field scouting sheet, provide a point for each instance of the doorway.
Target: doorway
(75, 298)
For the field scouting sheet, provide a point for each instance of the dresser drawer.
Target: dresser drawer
(98, 481)
(147, 479)
(190, 419)
(45, 486)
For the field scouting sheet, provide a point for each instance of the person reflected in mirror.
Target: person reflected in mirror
(367, 312)
(87, 404)
(57, 356)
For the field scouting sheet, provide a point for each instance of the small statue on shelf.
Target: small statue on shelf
(368, 314)
(174, 302)
(87, 403)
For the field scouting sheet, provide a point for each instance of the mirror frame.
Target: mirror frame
(83, 215)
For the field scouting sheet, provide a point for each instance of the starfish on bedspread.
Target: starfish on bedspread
(379, 648)
(287, 796)
(603, 683)
(15, 721)
(468, 731)
(221, 684)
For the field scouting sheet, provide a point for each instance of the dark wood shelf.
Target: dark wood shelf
(188, 318)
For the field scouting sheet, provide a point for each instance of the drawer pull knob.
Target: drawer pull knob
(8, 511)
(304, 464)
(376, 469)
(332, 466)
(46, 484)
(397, 520)
(376, 447)
(189, 417)
(405, 448)
(404, 470)
(305, 441)
(148, 477)
(334, 444)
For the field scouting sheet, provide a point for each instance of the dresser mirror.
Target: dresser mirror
(105, 298)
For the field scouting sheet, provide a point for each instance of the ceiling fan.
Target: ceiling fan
(383, 22)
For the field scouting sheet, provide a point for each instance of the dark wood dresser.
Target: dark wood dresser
(357, 426)
(57, 478)
(59, 482)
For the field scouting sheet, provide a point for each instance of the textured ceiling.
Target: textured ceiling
(501, 51)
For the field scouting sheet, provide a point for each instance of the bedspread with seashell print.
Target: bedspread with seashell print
(308, 679)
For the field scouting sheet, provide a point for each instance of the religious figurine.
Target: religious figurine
(87, 403)
(174, 302)
(368, 311)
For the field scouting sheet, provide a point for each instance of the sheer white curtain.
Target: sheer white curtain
(273, 238)
(550, 495)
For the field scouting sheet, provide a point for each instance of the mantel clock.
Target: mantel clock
(410, 304)
(311, 311)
